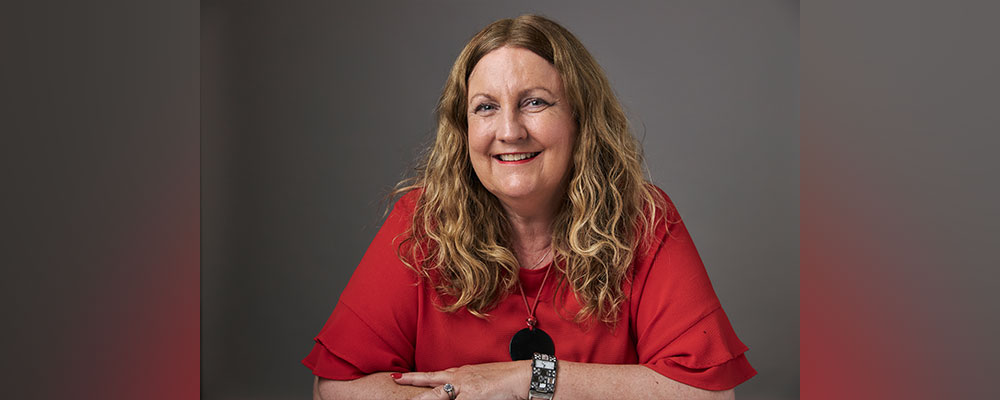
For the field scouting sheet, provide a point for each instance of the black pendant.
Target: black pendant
(526, 342)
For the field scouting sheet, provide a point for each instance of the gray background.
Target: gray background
(311, 111)
(99, 167)
(99, 115)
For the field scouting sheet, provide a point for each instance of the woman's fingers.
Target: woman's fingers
(428, 379)
(437, 380)
(437, 393)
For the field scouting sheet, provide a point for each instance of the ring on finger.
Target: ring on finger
(450, 389)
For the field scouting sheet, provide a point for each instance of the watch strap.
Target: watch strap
(544, 368)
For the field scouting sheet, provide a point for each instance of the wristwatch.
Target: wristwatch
(543, 376)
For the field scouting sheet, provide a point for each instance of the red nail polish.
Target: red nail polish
(396, 375)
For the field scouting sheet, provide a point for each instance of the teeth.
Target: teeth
(516, 157)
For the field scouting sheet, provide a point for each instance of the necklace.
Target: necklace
(540, 259)
(528, 341)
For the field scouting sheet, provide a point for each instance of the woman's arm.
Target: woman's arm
(374, 386)
(574, 381)
(604, 381)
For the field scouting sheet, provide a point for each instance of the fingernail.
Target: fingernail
(396, 375)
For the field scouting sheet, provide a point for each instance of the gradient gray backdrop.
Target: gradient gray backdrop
(311, 111)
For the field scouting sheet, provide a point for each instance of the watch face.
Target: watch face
(543, 376)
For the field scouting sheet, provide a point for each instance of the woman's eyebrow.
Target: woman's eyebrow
(522, 93)
(529, 90)
(488, 97)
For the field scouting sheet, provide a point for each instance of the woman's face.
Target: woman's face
(521, 127)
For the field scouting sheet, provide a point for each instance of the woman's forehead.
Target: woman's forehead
(511, 71)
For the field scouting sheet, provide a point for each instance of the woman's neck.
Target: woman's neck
(531, 238)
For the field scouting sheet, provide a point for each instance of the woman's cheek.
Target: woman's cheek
(478, 139)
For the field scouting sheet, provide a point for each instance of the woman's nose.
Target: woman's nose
(511, 128)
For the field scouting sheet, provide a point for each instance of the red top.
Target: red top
(672, 321)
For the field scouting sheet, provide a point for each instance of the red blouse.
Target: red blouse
(672, 321)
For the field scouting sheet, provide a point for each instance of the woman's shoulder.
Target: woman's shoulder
(381, 270)
(408, 240)
(670, 265)
(407, 202)
(400, 216)
(662, 210)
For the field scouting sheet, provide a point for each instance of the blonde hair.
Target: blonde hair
(460, 232)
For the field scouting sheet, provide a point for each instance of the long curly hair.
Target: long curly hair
(460, 236)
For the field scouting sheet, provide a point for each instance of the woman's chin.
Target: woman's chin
(523, 194)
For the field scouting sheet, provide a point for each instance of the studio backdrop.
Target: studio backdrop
(312, 111)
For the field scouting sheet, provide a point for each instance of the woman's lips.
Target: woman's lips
(516, 158)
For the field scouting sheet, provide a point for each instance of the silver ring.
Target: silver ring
(450, 389)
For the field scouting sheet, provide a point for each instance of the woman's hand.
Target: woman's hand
(501, 380)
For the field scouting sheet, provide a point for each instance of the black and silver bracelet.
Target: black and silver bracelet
(543, 376)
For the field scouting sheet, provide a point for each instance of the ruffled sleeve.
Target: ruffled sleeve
(373, 327)
(681, 330)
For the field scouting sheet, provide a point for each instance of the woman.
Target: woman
(529, 257)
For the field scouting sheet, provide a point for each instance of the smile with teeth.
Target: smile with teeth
(516, 156)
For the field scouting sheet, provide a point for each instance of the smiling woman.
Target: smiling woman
(521, 130)
(533, 187)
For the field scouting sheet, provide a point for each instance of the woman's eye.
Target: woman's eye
(484, 107)
(536, 103)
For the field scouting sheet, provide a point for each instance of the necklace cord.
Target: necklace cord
(531, 321)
